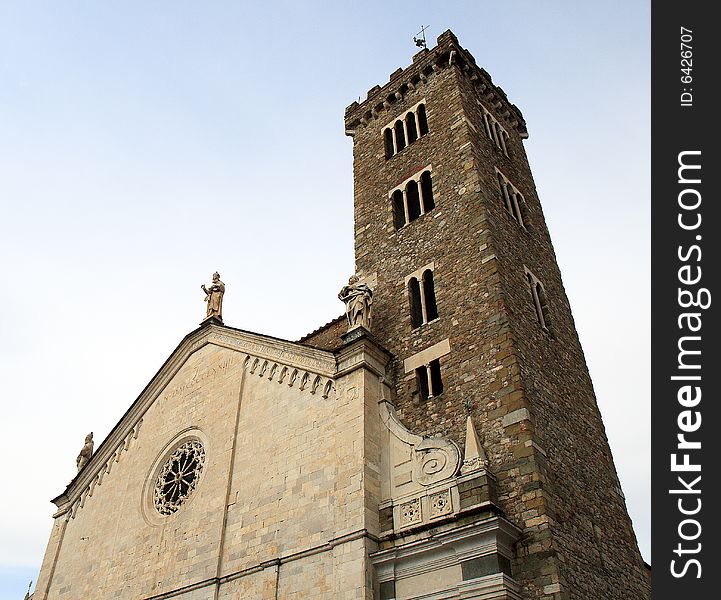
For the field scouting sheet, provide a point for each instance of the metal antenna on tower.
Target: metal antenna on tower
(420, 38)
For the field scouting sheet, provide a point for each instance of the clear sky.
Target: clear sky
(144, 145)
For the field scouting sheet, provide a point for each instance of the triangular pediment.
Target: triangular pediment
(274, 359)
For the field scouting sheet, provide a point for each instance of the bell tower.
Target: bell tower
(451, 237)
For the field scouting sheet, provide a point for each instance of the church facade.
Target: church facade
(441, 440)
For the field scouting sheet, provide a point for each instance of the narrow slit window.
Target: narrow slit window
(422, 120)
(427, 192)
(399, 210)
(400, 136)
(414, 201)
(539, 300)
(502, 188)
(429, 295)
(436, 383)
(496, 134)
(543, 304)
(518, 205)
(486, 126)
(422, 381)
(388, 136)
(510, 193)
(414, 296)
(411, 127)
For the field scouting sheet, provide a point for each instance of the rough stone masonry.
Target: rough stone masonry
(528, 386)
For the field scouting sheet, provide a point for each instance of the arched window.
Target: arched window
(422, 382)
(413, 201)
(436, 387)
(543, 306)
(422, 297)
(414, 297)
(497, 133)
(427, 192)
(422, 120)
(405, 130)
(510, 194)
(399, 211)
(519, 206)
(540, 301)
(428, 379)
(502, 188)
(486, 126)
(429, 296)
(411, 127)
(512, 199)
(400, 136)
(388, 136)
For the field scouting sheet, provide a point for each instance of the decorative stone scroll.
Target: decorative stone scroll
(436, 459)
(414, 462)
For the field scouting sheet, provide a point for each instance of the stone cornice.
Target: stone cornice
(494, 534)
(294, 354)
(362, 351)
(265, 350)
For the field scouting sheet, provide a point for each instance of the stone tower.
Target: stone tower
(468, 297)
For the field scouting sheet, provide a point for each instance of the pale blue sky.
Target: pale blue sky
(145, 145)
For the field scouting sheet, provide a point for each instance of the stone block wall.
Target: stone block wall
(113, 547)
(327, 337)
(285, 507)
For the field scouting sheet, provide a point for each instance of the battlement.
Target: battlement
(446, 54)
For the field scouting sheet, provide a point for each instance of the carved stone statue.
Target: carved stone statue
(86, 452)
(358, 299)
(214, 298)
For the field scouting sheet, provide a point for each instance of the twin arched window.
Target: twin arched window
(495, 132)
(414, 200)
(422, 299)
(512, 199)
(405, 130)
(540, 301)
(428, 378)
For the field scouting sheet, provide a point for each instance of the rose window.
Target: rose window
(179, 477)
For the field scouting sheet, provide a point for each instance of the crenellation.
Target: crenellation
(426, 63)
